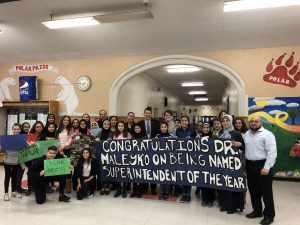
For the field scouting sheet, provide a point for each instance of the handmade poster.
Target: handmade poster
(29, 153)
(35, 151)
(13, 142)
(54, 167)
(281, 116)
(201, 162)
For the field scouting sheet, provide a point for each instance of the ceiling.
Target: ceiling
(215, 84)
(178, 26)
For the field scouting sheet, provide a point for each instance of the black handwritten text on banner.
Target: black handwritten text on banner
(201, 162)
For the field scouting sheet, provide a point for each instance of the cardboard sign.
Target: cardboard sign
(35, 151)
(13, 142)
(54, 167)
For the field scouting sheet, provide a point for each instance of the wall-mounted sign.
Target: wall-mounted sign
(33, 68)
(283, 71)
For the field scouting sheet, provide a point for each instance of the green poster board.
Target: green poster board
(43, 146)
(54, 167)
(28, 154)
(35, 151)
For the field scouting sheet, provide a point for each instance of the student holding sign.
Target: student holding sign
(207, 194)
(231, 201)
(164, 133)
(40, 181)
(11, 168)
(137, 134)
(33, 136)
(121, 133)
(86, 171)
(185, 132)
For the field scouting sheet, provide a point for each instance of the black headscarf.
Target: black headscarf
(47, 134)
(105, 132)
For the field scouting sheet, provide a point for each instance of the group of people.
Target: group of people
(257, 151)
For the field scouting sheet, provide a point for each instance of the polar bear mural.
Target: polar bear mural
(67, 95)
(4, 88)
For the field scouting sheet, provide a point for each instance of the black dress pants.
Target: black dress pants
(260, 187)
(42, 183)
(86, 187)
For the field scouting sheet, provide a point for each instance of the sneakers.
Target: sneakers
(91, 195)
(63, 198)
(6, 197)
(16, 195)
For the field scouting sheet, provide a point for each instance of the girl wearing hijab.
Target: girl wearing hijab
(228, 200)
(137, 134)
(50, 119)
(104, 136)
(105, 130)
(207, 194)
(49, 132)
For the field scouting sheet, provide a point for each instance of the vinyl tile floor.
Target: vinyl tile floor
(108, 210)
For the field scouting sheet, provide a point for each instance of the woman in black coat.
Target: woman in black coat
(86, 171)
(231, 201)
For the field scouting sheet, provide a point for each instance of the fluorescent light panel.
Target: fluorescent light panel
(232, 6)
(182, 68)
(192, 84)
(67, 23)
(201, 99)
(197, 93)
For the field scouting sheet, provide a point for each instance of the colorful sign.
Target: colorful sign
(54, 167)
(281, 116)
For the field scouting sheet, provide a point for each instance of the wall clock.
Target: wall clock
(83, 83)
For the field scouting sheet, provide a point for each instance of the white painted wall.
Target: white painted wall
(141, 91)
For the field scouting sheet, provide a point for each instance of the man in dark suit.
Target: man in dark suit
(103, 116)
(150, 128)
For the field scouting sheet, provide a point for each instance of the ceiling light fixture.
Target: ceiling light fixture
(197, 93)
(95, 18)
(192, 84)
(67, 23)
(182, 68)
(201, 99)
(240, 5)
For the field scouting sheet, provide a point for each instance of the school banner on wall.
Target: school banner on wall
(281, 116)
(201, 162)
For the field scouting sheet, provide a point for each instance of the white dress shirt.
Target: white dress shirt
(261, 145)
